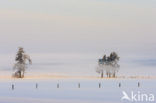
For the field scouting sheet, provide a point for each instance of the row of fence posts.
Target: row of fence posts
(58, 86)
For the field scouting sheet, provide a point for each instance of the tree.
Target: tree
(20, 64)
(109, 65)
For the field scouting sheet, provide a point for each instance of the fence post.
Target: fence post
(138, 84)
(36, 85)
(99, 85)
(12, 86)
(119, 84)
(78, 85)
(57, 85)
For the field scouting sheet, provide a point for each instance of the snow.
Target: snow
(68, 70)
(68, 91)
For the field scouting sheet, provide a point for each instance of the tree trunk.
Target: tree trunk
(102, 74)
(114, 75)
(107, 74)
(20, 75)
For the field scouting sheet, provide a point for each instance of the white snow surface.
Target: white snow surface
(25, 90)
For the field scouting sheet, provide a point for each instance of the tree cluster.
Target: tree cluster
(109, 65)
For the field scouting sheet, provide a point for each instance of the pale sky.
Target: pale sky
(126, 26)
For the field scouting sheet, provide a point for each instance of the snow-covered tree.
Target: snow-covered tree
(109, 65)
(20, 64)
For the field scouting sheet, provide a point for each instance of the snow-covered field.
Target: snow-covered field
(68, 70)
(25, 90)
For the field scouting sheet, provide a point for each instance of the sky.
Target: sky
(96, 26)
